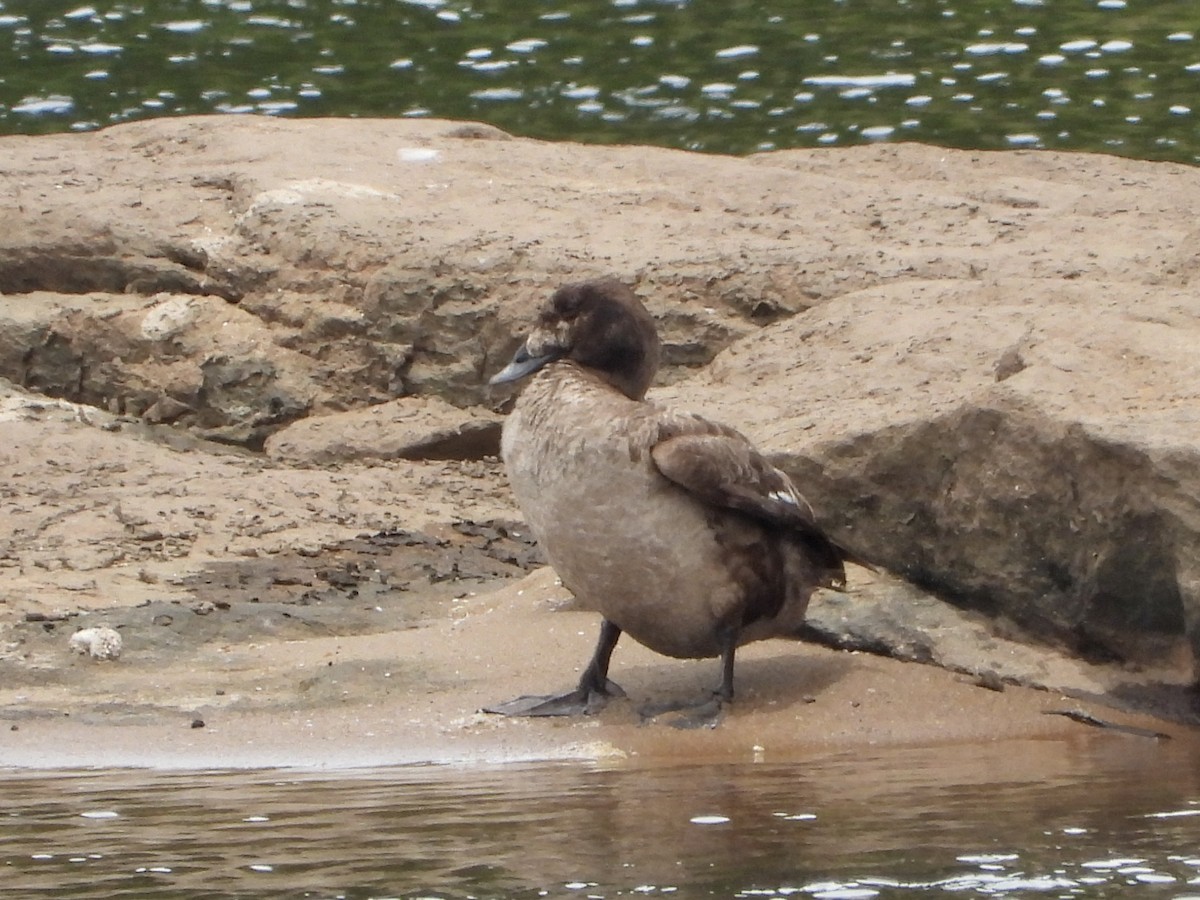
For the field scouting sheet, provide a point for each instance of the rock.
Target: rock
(1063, 497)
(193, 361)
(289, 290)
(978, 366)
(165, 410)
(185, 274)
(409, 428)
(17, 405)
(98, 642)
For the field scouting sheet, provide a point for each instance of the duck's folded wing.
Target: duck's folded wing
(722, 468)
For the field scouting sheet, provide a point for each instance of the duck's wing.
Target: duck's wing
(721, 468)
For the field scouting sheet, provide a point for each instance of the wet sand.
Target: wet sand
(413, 696)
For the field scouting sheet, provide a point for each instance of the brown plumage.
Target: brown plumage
(674, 528)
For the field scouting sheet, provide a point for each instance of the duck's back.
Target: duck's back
(671, 571)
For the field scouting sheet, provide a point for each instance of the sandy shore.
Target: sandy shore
(412, 696)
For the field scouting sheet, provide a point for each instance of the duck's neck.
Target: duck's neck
(628, 366)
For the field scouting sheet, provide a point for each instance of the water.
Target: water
(1105, 816)
(1099, 818)
(733, 76)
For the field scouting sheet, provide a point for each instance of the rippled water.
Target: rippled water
(729, 76)
(1101, 818)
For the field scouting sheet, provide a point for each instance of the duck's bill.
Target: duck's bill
(522, 364)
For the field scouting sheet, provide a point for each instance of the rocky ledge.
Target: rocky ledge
(245, 338)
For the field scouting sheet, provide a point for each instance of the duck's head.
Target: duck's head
(601, 326)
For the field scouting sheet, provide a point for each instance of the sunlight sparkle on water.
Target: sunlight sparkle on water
(187, 26)
(618, 49)
(742, 50)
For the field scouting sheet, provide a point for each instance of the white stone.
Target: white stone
(99, 642)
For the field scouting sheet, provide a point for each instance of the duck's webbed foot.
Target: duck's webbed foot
(589, 698)
(583, 701)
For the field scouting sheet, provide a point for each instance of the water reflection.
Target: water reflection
(731, 77)
(1090, 820)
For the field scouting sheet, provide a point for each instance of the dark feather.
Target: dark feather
(721, 468)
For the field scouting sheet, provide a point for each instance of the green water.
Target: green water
(1120, 76)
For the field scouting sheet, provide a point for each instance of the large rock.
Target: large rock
(374, 260)
(170, 358)
(368, 260)
(1031, 453)
(979, 366)
(408, 428)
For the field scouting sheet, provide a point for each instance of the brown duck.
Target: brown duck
(672, 527)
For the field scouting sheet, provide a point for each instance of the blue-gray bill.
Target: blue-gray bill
(522, 364)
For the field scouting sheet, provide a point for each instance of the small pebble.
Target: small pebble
(99, 642)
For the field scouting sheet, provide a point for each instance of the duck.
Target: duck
(673, 527)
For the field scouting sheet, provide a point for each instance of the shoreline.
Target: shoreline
(417, 697)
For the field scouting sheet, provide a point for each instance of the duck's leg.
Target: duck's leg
(589, 697)
(707, 712)
(595, 677)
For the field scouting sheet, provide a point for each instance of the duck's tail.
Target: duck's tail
(830, 557)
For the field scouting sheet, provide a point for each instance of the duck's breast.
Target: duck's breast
(628, 543)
